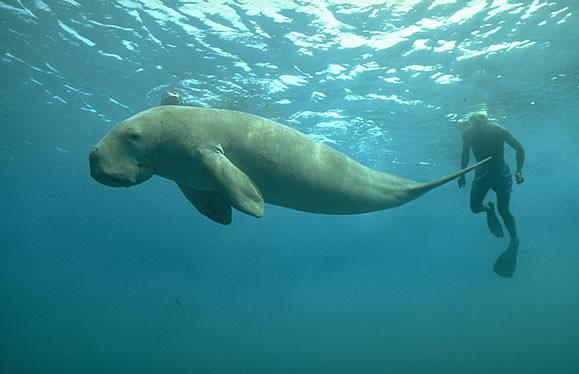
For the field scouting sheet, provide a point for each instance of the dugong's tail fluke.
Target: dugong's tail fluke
(422, 188)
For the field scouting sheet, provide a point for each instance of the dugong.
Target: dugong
(222, 159)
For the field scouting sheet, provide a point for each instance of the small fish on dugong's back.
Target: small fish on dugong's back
(222, 159)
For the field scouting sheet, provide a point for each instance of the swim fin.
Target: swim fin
(506, 264)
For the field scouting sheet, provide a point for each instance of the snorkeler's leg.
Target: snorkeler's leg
(503, 201)
(477, 194)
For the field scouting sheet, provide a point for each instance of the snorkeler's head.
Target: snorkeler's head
(171, 98)
(477, 119)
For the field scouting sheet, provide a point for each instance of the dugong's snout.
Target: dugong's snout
(110, 173)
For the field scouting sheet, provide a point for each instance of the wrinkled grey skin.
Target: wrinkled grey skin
(221, 158)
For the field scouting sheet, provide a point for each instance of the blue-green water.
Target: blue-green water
(101, 280)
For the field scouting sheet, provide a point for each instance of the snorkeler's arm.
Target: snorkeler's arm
(464, 158)
(520, 157)
(466, 146)
(518, 147)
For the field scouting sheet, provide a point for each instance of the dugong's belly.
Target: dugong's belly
(298, 173)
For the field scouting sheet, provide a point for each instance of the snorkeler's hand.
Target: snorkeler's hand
(519, 177)
(461, 181)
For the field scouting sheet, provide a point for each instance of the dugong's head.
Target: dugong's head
(126, 156)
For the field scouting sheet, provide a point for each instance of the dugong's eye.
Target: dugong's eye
(135, 136)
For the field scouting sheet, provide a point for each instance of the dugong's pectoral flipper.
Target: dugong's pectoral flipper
(209, 203)
(232, 183)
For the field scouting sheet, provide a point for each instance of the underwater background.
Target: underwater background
(101, 280)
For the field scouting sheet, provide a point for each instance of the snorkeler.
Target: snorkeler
(171, 98)
(487, 139)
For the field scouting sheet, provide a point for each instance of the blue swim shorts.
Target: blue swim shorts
(500, 180)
